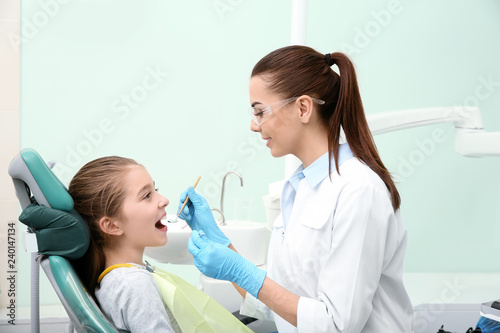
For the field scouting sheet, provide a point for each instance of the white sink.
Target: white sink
(248, 237)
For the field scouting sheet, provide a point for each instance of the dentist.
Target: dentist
(335, 261)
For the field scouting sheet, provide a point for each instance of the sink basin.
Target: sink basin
(248, 237)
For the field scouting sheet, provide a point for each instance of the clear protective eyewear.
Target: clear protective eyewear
(260, 113)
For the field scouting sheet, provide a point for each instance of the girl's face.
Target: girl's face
(280, 129)
(142, 210)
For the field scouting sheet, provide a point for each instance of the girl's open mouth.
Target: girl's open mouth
(159, 224)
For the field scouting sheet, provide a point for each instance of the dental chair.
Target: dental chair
(53, 244)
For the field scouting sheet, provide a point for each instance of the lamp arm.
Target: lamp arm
(462, 117)
(470, 138)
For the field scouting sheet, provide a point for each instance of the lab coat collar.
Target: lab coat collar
(318, 170)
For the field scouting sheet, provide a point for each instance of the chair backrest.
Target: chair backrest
(79, 305)
(57, 241)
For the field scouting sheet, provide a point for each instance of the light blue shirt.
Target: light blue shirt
(314, 174)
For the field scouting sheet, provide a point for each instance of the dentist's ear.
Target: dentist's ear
(110, 226)
(305, 104)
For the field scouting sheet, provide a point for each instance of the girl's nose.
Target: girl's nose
(163, 202)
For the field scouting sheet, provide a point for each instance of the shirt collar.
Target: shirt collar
(295, 178)
(318, 170)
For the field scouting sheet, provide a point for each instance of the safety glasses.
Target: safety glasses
(261, 113)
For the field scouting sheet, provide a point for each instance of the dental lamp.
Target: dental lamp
(470, 138)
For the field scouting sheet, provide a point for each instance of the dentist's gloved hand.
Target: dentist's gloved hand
(198, 215)
(220, 262)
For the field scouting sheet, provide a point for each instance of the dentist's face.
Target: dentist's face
(279, 129)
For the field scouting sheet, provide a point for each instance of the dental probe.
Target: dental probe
(185, 202)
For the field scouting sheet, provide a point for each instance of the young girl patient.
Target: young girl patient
(117, 198)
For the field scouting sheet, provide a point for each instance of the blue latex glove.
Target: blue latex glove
(220, 262)
(198, 215)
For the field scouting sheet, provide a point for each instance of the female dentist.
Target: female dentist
(335, 261)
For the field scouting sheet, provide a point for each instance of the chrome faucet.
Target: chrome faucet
(222, 220)
(222, 194)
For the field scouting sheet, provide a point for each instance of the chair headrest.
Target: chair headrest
(30, 173)
(48, 207)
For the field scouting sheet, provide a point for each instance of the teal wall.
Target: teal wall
(165, 82)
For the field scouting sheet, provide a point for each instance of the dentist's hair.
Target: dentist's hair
(300, 70)
(98, 190)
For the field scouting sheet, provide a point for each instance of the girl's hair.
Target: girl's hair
(98, 190)
(299, 70)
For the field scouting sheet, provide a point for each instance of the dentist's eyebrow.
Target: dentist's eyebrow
(255, 103)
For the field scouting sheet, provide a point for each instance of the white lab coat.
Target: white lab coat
(342, 252)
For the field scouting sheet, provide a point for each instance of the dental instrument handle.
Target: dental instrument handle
(187, 197)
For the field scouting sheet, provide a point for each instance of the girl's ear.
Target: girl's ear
(110, 226)
(306, 105)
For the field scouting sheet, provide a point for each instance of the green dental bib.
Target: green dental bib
(194, 311)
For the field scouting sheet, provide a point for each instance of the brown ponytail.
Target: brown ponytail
(97, 190)
(299, 70)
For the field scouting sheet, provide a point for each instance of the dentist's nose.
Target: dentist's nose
(254, 127)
